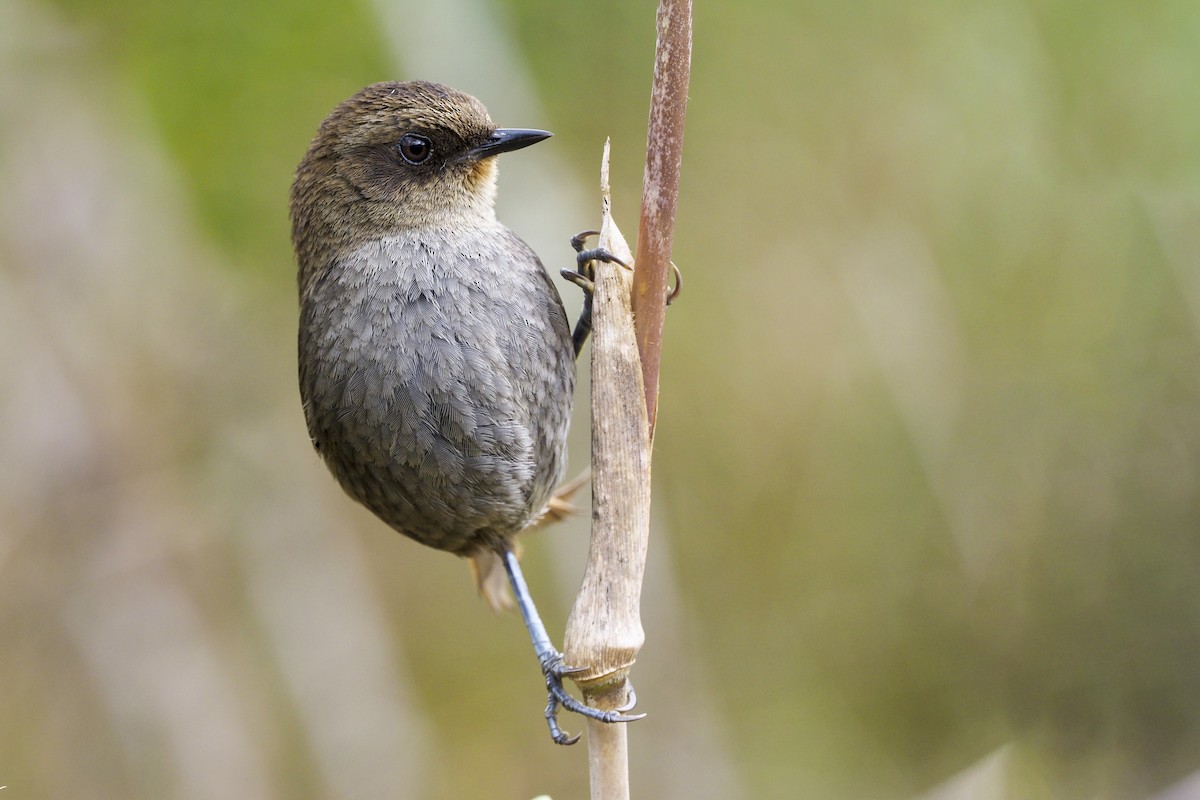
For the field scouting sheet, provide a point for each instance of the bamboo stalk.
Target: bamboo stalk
(604, 631)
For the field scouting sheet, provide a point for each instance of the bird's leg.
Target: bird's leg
(552, 661)
(584, 276)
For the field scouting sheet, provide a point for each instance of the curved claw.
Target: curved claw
(563, 671)
(674, 293)
(578, 239)
(631, 702)
(598, 254)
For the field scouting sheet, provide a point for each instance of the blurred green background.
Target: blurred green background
(927, 477)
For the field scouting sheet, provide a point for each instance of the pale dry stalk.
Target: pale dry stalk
(604, 631)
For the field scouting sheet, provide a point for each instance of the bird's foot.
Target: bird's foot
(584, 276)
(584, 273)
(554, 670)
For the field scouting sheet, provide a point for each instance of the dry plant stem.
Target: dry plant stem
(604, 630)
(608, 748)
(660, 187)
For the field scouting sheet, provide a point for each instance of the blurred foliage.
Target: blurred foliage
(929, 440)
(234, 88)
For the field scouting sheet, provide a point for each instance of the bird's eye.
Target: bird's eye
(415, 149)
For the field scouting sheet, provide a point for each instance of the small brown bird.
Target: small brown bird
(436, 361)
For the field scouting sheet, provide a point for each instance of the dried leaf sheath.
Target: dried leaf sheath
(604, 631)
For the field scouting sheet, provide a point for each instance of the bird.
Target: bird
(436, 362)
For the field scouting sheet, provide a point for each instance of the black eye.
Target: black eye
(415, 149)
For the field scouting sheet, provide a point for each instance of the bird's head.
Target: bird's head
(397, 157)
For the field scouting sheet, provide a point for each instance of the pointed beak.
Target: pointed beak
(506, 139)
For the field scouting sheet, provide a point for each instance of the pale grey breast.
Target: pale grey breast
(437, 373)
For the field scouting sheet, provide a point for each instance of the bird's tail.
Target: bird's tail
(492, 580)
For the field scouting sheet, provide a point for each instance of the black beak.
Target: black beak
(505, 139)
